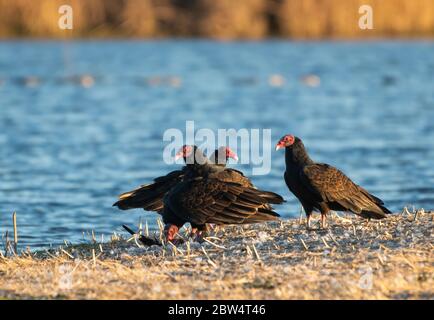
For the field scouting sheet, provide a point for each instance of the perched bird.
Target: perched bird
(322, 187)
(150, 196)
(204, 197)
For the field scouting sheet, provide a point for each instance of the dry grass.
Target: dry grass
(353, 259)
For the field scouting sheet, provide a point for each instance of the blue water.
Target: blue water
(67, 150)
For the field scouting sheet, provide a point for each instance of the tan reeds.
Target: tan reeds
(14, 220)
(223, 19)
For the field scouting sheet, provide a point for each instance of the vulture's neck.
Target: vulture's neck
(296, 155)
(200, 166)
(196, 158)
(216, 159)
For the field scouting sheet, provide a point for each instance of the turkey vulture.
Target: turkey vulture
(322, 187)
(150, 196)
(207, 196)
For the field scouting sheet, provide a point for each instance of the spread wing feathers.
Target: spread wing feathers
(328, 184)
(272, 197)
(150, 196)
(219, 202)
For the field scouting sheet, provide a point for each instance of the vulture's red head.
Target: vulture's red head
(222, 154)
(184, 152)
(229, 153)
(286, 141)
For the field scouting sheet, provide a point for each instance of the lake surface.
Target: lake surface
(82, 122)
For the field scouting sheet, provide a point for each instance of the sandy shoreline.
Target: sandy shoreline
(353, 259)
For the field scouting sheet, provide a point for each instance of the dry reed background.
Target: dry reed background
(223, 19)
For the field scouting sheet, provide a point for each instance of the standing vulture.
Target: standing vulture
(206, 196)
(322, 187)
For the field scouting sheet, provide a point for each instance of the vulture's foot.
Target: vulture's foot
(308, 226)
(324, 224)
(193, 232)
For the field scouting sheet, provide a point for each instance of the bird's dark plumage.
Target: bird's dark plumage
(145, 240)
(206, 195)
(150, 196)
(322, 187)
(220, 157)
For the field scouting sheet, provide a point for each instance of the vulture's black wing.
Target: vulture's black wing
(332, 186)
(211, 200)
(233, 175)
(150, 196)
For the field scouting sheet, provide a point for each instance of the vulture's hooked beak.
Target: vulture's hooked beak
(280, 145)
(179, 155)
(233, 155)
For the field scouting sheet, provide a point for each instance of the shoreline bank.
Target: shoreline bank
(352, 259)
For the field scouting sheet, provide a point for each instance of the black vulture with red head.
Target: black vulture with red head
(319, 186)
(207, 196)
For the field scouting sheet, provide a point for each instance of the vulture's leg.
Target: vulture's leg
(193, 232)
(323, 219)
(308, 210)
(308, 215)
